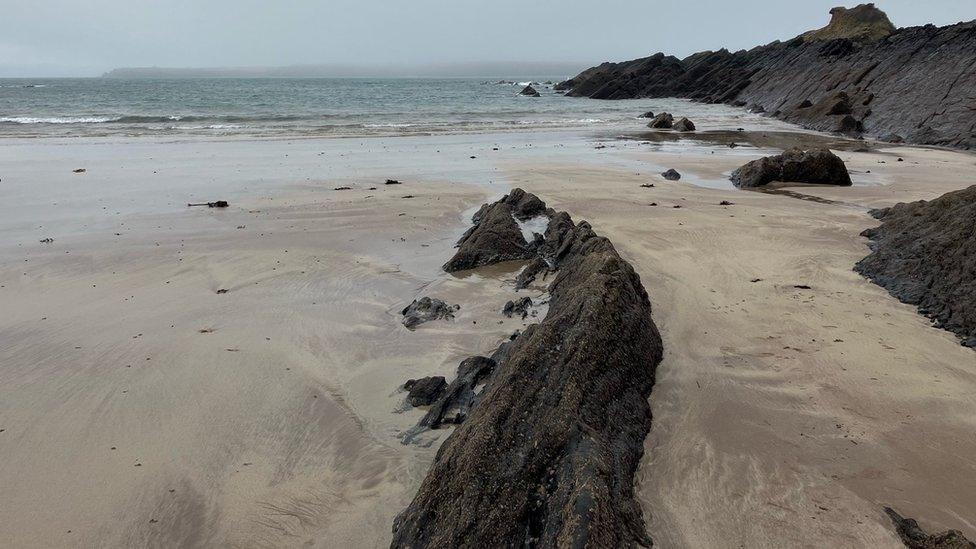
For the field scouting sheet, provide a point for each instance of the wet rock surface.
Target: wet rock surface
(426, 309)
(496, 236)
(816, 166)
(545, 453)
(529, 91)
(915, 538)
(924, 254)
(520, 307)
(913, 83)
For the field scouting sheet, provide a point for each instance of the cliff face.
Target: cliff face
(855, 76)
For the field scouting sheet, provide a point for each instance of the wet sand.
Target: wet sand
(141, 407)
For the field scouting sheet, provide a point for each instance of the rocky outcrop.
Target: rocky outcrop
(545, 453)
(915, 538)
(648, 114)
(913, 84)
(529, 91)
(426, 309)
(495, 235)
(924, 254)
(816, 166)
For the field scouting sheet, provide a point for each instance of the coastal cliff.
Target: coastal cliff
(545, 454)
(858, 76)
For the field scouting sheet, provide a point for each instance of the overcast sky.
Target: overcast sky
(82, 38)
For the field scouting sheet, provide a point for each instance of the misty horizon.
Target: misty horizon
(64, 38)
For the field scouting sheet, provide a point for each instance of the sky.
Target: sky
(87, 38)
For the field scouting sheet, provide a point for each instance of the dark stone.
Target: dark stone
(924, 254)
(495, 236)
(426, 309)
(424, 391)
(520, 307)
(816, 166)
(529, 91)
(915, 538)
(914, 82)
(684, 125)
(545, 454)
(648, 114)
(392, 182)
(671, 175)
(663, 121)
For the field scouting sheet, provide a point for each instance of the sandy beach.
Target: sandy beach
(140, 407)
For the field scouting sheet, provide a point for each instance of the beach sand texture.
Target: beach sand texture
(140, 407)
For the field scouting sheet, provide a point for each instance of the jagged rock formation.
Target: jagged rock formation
(545, 453)
(671, 175)
(529, 91)
(495, 235)
(855, 76)
(816, 166)
(915, 538)
(924, 253)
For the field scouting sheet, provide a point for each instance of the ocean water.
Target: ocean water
(82, 107)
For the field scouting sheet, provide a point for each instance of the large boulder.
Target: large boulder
(684, 125)
(663, 121)
(529, 91)
(816, 166)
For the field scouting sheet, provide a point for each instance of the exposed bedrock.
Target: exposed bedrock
(816, 166)
(495, 235)
(855, 76)
(546, 452)
(924, 254)
(915, 538)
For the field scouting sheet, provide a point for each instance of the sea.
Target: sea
(266, 107)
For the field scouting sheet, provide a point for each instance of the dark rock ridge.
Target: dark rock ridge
(530, 92)
(545, 453)
(816, 166)
(924, 254)
(915, 538)
(426, 309)
(856, 77)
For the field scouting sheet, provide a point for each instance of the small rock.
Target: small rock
(684, 125)
(426, 309)
(520, 307)
(663, 121)
(671, 175)
(529, 91)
